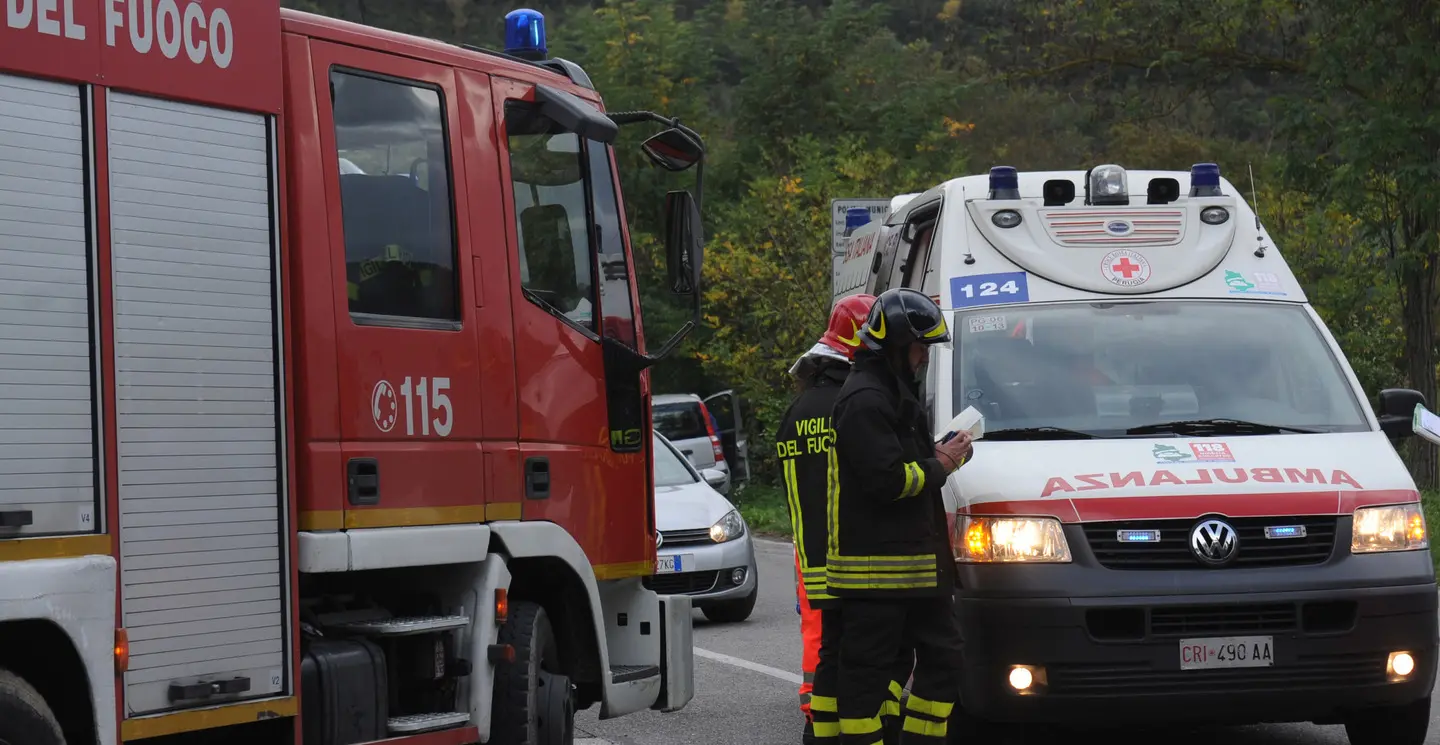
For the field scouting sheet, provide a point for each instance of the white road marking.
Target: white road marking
(773, 672)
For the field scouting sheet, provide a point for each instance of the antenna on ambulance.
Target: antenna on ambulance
(1255, 202)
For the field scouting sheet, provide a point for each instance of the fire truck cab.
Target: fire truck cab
(323, 406)
(1182, 508)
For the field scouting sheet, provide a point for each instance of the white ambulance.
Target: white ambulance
(1183, 507)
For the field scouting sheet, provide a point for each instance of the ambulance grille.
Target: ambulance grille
(1172, 551)
(1117, 227)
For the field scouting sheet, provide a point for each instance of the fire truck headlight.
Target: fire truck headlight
(1214, 215)
(1107, 185)
(730, 527)
(1010, 540)
(1397, 527)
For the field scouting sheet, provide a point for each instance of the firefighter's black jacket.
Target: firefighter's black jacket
(803, 443)
(889, 536)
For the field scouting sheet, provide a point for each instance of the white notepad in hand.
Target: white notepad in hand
(970, 420)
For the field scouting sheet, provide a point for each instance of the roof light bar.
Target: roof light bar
(1004, 183)
(856, 217)
(525, 34)
(1205, 180)
(1107, 185)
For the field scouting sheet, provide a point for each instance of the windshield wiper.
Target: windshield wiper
(1038, 433)
(1219, 426)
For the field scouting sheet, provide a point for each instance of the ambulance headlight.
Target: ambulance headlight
(1214, 215)
(1396, 527)
(1010, 540)
(1005, 218)
(1107, 185)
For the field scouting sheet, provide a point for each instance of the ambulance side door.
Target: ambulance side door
(408, 359)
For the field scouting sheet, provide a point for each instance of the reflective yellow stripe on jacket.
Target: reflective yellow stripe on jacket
(914, 480)
(901, 572)
(812, 577)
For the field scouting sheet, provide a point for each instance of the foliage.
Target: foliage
(764, 508)
(1332, 104)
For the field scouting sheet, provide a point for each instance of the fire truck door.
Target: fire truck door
(408, 360)
(197, 358)
(571, 285)
(47, 462)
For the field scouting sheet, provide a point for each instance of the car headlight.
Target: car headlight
(1010, 540)
(1396, 527)
(730, 527)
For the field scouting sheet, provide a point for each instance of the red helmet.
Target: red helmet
(846, 318)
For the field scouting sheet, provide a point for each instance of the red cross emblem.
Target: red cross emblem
(1126, 267)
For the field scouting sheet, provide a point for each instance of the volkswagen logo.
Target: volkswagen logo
(659, 540)
(1214, 542)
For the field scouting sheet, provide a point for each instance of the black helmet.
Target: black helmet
(902, 316)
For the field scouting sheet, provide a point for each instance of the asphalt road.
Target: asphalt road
(746, 677)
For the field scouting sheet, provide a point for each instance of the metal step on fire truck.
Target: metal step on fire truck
(324, 416)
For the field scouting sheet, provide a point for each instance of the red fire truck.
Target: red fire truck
(324, 416)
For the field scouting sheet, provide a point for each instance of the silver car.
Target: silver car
(705, 548)
(709, 431)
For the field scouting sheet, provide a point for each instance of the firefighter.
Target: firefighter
(803, 439)
(889, 559)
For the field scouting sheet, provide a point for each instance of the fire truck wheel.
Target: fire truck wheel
(534, 704)
(1405, 724)
(25, 718)
(732, 611)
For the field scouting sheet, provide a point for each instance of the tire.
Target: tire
(1406, 724)
(25, 718)
(533, 703)
(732, 611)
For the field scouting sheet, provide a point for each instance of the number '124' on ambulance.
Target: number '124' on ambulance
(324, 412)
(1183, 507)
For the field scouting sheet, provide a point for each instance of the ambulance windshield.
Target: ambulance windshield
(1106, 368)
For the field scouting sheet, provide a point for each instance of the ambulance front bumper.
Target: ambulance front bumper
(1106, 647)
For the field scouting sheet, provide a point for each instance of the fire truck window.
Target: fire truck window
(615, 307)
(547, 173)
(395, 198)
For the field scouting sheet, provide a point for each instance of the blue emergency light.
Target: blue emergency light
(1004, 183)
(856, 217)
(525, 34)
(1137, 536)
(1205, 180)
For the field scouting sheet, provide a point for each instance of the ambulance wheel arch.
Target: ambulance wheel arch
(548, 567)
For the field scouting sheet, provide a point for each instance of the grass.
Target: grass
(766, 512)
(764, 508)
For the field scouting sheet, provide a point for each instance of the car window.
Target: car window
(1105, 367)
(680, 421)
(670, 468)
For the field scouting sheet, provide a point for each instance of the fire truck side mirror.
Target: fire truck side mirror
(575, 115)
(673, 150)
(683, 245)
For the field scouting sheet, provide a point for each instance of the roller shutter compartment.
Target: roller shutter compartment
(47, 424)
(201, 502)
